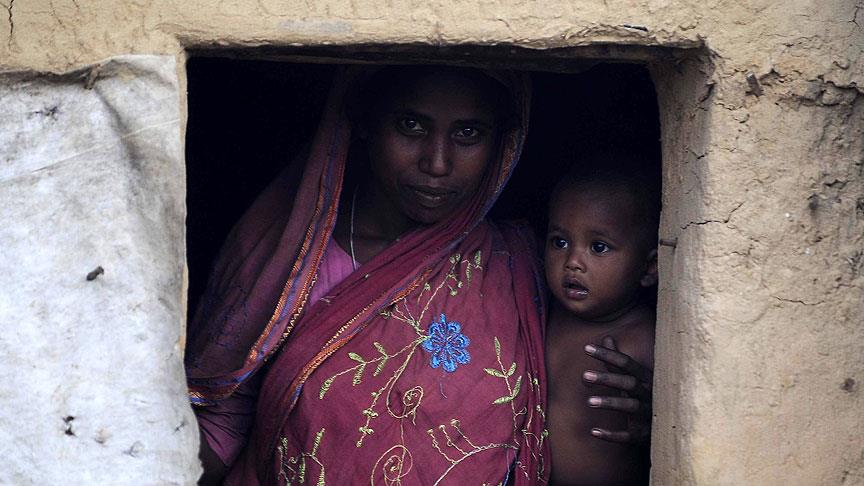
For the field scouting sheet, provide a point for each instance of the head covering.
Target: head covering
(257, 303)
(266, 268)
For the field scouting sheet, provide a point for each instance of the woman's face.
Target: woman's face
(430, 142)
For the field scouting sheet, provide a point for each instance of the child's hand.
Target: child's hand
(634, 381)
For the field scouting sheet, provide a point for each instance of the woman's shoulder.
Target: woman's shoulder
(517, 242)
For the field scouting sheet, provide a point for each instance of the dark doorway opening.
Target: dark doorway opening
(248, 118)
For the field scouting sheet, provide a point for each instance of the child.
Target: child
(601, 269)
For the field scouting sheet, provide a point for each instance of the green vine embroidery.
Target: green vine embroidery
(380, 362)
(449, 441)
(512, 391)
(453, 281)
(294, 469)
(530, 440)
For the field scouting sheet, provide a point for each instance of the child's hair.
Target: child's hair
(636, 174)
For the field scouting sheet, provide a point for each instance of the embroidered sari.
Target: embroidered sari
(424, 366)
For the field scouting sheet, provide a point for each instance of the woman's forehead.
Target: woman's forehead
(430, 95)
(404, 86)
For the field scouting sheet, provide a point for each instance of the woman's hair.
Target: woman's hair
(385, 83)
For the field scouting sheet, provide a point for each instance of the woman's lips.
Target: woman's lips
(430, 197)
(574, 289)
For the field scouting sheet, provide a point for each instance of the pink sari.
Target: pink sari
(424, 366)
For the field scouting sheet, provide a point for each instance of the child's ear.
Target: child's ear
(649, 278)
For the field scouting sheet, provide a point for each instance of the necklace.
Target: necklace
(351, 231)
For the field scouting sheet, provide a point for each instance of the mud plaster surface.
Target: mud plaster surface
(91, 267)
(761, 342)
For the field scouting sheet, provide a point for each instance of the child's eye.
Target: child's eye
(411, 126)
(599, 247)
(559, 242)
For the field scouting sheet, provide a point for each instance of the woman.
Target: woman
(395, 336)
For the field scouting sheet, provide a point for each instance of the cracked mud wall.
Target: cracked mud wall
(781, 295)
(763, 346)
(761, 340)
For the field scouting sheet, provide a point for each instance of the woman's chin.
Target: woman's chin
(425, 220)
(428, 216)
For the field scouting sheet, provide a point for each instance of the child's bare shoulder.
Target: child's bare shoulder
(636, 337)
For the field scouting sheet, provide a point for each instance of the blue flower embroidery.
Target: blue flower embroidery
(447, 345)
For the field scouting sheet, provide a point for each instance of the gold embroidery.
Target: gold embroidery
(460, 453)
(532, 442)
(456, 425)
(398, 462)
(451, 440)
(401, 311)
(454, 283)
(437, 447)
(293, 470)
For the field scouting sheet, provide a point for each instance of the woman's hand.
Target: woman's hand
(635, 382)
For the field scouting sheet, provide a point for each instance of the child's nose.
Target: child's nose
(574, 262)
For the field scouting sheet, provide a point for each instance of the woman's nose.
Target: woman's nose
(436, 158)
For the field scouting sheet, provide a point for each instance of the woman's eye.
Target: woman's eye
(467, 133)
(411, 126)
(599, 247)
(558, 242)
(470, 136)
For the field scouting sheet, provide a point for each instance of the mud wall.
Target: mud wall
(760, 342)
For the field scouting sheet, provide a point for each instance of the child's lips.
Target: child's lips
(574, 289)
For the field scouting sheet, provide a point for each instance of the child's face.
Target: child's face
(596, 259)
